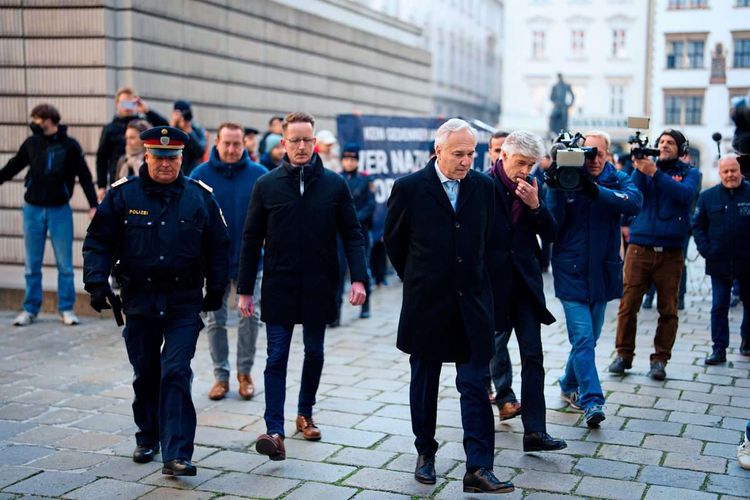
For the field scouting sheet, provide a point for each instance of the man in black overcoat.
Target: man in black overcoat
(296, 212)
(436, 230)
(517, 285)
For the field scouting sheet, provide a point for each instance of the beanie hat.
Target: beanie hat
(272, 141)
(678, 137)
(350, 150)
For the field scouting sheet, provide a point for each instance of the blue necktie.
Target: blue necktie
(451, 189)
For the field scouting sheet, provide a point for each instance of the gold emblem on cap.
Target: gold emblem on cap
(164, 131)
(164, 140)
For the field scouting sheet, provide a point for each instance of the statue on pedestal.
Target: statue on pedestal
(562, 98)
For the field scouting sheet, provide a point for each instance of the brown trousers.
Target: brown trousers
(644, 265)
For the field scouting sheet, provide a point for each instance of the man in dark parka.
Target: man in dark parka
(437, 227)
(296, 212)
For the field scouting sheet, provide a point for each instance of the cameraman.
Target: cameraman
(587, 268)
(655, 252)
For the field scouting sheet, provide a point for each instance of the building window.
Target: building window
(618, 42)
(616, 100)
(577, 42)
(537, 48)
(742, 3)
(683, 107)
(742, 51)
(685, 51)
(687, 4)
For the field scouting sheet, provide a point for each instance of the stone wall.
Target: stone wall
(235, 60)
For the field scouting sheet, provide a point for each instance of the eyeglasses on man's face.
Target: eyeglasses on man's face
(296, 141)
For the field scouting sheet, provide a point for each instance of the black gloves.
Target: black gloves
(100, 293)
(589, 187)
(213, 300)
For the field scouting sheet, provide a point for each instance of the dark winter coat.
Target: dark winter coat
(721, 228)
(194, 149)
(168, 238)
(364, 198)
(233, 185)
(440, 254)
(664, 219)
(586, 262)
(514, 252)
(300, 262)
(112, 145)
(54, 162)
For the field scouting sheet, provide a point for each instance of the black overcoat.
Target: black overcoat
(513, 256)
(439, 254)
(297, 233)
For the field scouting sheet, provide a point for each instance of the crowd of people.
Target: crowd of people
(280, 219)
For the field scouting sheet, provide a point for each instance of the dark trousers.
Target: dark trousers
(279, 340)
(721, 290)
(163, 408)
(544, 256)
(528, 330)
(378, 262)
(642, 266)
(476, 411)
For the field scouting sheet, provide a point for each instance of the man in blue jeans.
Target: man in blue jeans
(722, 215)
(296, 212)
(587, 268)
(54, 161)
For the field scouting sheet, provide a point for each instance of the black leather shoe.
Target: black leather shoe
(179, 467)
(745, 347)
(541, 441)
(658, 370)
(484, 481)
(717, 357)
(145, 454)
(425, 470)
(619, 365)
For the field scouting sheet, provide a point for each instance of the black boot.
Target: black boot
(718, 357)
(145, 454)
(365, 312)
(179, 467)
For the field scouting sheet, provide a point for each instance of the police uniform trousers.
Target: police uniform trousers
(476, 411)
(160, 351)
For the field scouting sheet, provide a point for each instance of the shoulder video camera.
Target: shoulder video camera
(639, 143)
(568, 167)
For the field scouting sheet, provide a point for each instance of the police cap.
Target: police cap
(164, 141)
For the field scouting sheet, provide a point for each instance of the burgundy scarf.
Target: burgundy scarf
(517, 205)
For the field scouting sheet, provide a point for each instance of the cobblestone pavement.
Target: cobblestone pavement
(66, 427)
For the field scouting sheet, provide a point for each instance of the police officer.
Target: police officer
(164, 234)
(364, 202)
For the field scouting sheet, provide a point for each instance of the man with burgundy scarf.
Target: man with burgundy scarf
(517, 284)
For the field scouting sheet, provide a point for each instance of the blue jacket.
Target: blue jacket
(232, 186)
(664, 220)
(364, 198)
(586, 262)
(721, 226)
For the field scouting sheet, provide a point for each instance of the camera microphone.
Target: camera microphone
(717, 139)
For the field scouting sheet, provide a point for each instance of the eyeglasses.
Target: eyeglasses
(303, 140)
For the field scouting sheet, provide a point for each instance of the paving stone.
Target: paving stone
(693, 418)
(9, 429)
(361, 457)
(455, 489)
(51, 483)
(611, 436)
(44, 435)
(632, 400)
(672, 477)
(688, 386)
(300, 469)
(91, 441)
(105, 422)
(728, 411)
(407, 461)
(660, 392)
(233, 461)
(22, 454)
(68, 460)
(224, 438)
(20, 412)
(225, 419)
(550, 462)
(235, 483)
(355, 406)
(339, 418)
(317, 490)
(606, 468)
(183, 482)
(125, 469)
(548, 481)
(651, 427)
(728, 451)
(11, 474)
(630, 454)
(387, 480)
(176, 494)
(401, 444)
(673, 444)
(730, 485)
(710, 434)
(64, 416)
(110, 489)
(387, 425)
(610, 488)
(650, 414)
(696, 462)
(686, 406)
(549, 496)
(714, 398)
(661, 492)
(351, 437)
(379, 495)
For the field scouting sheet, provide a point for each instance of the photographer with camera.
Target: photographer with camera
(655, 252)
(586, 265)
(182, 118)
